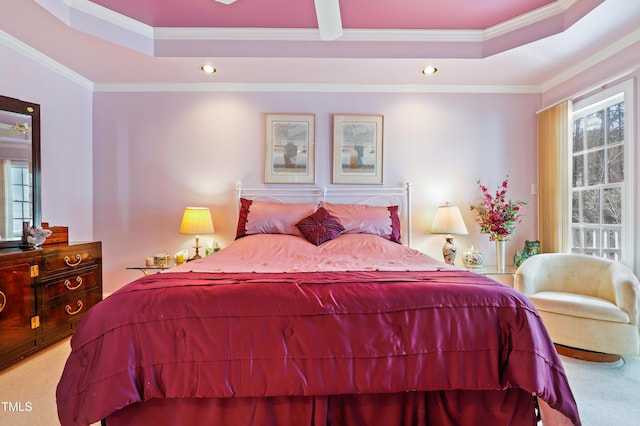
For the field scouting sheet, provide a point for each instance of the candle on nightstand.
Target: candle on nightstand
(149, 261)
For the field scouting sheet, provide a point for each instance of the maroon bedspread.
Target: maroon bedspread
(198, 335)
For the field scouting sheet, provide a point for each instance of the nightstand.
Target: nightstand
(505, 277)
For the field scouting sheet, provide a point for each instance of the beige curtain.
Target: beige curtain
(554, 202)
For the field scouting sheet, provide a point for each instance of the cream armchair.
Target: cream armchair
(585, 302)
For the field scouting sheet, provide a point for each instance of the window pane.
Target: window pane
(591, 206)
(611, 239)
(16, 191)
(17, 228)
(590, 240)
(16, 176)
(576, 238)
(612, 206)
(575, 207)
(615, 115)
(578, 135)
(595, 129)
(615, 164)
(578, 170)
(595, 167)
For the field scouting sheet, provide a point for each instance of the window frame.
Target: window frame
(623, 92)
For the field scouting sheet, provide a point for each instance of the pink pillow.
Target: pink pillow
(320, 227)
(265, 217)
(364, 219)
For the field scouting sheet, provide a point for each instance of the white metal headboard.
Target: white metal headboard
(382, 196)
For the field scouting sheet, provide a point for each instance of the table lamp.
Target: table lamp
(448, 220)
(196, 221)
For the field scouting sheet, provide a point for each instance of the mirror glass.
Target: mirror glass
(19, 168)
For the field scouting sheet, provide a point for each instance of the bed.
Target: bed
(316, 314)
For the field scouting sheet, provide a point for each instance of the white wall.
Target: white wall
(156, 153)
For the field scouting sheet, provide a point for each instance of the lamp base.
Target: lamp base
(449, 251)
(197, 255)
(197, 247)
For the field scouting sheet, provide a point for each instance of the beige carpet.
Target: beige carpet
(607, 394)
(33, 381)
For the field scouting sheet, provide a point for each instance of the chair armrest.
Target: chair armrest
(529, 276)
(625, 286)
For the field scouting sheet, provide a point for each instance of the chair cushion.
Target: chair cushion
(578, 305)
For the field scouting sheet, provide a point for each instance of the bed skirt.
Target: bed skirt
(513, 407)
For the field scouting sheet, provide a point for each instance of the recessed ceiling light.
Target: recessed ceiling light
(429, 70)
(209, 69)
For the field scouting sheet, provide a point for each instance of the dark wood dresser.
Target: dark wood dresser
(44, 293)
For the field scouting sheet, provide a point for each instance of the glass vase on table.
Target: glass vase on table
(501, 256)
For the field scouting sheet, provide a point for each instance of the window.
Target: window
(601, 176)
(21, 195)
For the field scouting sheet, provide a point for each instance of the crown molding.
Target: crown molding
(311, 88)
(42, 59)
(545, 12)
(64, 11)
(310, 34)
(592, 60)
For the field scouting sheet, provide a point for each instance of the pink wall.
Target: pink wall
(66, 139)
(156, 153)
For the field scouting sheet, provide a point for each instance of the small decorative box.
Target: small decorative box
(59, 234)
(472, 258)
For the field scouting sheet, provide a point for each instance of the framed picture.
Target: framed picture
(290, 148)
(357, 149)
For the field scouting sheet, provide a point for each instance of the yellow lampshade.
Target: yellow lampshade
(196, 220)
(448, 220)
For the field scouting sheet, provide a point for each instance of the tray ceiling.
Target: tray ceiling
(276, 44)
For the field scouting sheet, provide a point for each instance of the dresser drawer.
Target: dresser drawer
(69, 258)
(71, 284)
(44, 293)
(67, 310)
(17, 307)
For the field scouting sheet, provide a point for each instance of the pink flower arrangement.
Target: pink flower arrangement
(497, 216)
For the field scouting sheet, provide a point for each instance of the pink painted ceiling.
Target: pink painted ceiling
(373, 14)
(522, 45)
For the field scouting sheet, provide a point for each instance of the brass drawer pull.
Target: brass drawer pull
(67, 260)
(77, 311)
(67, 284)
(3, 300)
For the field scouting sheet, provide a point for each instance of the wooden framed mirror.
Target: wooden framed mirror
(19, 169)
